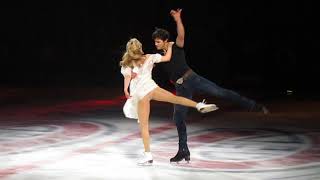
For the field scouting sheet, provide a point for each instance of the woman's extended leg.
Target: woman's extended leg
(160, 94)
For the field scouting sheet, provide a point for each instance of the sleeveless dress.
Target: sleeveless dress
(141, 85)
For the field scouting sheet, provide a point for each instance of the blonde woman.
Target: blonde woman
(141, 89)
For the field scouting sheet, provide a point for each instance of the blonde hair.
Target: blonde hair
(133, 53)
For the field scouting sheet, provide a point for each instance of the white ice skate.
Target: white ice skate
(205, 108)
(146, 159)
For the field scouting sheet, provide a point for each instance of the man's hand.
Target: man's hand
(176, 14)
(133, 75)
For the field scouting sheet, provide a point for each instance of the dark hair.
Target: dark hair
(161, 34)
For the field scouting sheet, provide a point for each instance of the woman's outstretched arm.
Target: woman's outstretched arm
(168, 54)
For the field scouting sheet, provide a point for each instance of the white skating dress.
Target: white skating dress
(141, 85)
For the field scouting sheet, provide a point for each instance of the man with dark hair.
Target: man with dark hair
(187, 82)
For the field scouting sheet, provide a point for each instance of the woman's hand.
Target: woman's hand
(127, 94)
(168, 54)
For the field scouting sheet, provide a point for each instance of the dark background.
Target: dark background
(263, 46)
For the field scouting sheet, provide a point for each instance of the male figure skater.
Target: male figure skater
(187, 82)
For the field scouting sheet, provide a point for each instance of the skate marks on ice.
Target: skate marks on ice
(100, 148)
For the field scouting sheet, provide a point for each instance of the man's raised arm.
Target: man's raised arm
(176, 14)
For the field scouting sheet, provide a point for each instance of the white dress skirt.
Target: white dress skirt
(141, 85)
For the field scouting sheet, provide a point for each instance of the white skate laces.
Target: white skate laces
(204, 108)
(146, 159)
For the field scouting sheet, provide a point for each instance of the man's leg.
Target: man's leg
(209, 87)
(179, 117)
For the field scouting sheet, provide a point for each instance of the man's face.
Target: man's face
(160, 44)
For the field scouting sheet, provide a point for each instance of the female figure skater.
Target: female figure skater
(136, 67)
